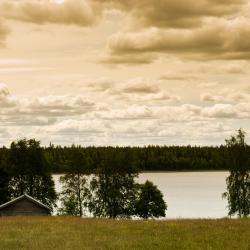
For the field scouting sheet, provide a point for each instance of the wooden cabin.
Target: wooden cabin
(24, 205)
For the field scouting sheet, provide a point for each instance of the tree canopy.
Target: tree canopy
(238, 182)
(73, 198)
(150, 202)
(29, 172)
(112, 185)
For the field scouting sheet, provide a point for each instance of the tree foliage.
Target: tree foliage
(75, 189)
(73, 197)
(238, 182)
(4, 179)
(112, 187)
(4, 186)
(111, 191)
(150, 202)
(165, 158)
(160, 158)
(29, 172)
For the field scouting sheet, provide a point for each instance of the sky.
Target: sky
(115, 72)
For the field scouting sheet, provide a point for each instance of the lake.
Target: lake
(188, 194)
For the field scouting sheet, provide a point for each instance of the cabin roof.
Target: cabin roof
(24, 196)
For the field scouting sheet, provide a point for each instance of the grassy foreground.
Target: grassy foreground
(74, 233)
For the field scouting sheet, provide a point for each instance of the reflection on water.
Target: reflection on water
(188, 194)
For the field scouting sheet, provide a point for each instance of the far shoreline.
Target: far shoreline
(169, 171)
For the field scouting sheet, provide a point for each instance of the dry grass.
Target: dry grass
(75, 233)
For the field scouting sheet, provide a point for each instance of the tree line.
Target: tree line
(148, 158)
(102, 181)
(107, 190)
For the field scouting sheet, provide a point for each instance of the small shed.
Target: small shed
(24, 205)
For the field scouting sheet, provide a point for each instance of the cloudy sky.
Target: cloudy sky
(115, 72)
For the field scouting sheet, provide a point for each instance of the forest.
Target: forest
(102, 180)
(148, 158)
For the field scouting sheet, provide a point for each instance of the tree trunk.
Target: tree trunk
(79, 194)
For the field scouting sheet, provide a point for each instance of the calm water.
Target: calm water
(188, 194)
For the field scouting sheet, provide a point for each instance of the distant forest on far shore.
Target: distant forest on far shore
(148, 158)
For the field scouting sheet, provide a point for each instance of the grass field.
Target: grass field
(75, 233)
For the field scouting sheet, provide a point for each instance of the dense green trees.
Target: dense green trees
(101, 180)
(238, 182)
(29, 172)
(153, 158)
(111, 190)
(160, 158)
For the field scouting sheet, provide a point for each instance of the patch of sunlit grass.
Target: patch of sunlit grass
(18, 233)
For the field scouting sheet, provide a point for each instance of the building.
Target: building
(24, 205)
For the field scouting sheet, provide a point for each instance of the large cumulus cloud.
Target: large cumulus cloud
(217, 39)
(165, 13)
(181, 27)
(178, 13)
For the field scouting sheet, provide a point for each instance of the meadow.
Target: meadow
(17, 233)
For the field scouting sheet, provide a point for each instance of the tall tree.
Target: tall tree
(4, 177)
(238, 182)
(30, 173)
(4, 186)
(75, 182)
(112, 188)
(150, 202)
(73, 197)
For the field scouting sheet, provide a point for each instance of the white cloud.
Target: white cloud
(73, 118)
(241, 110)
(229, 96)
(135, 90)
(140, 86)
(134, 112)
(71, 126)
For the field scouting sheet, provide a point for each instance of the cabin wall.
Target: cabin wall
(24, 207)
